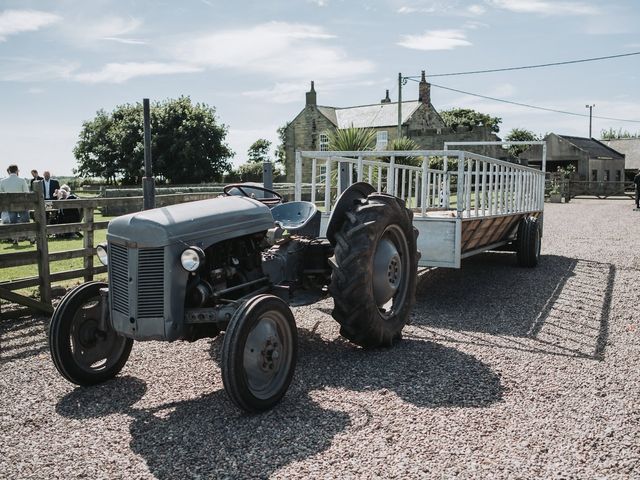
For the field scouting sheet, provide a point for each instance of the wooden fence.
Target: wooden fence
(40, 231)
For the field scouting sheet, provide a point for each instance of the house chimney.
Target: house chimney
(311, 95)
(424, 90)
(386, 99)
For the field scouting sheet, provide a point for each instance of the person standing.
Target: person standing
(636, 180)
(15, 184)
(50, 186)
(36, 177)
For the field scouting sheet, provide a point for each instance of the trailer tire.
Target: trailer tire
(374, 270)
(528, 242)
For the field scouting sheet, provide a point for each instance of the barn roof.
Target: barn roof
(593, 147)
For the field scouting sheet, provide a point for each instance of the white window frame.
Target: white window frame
(323, 142)
(382, 139)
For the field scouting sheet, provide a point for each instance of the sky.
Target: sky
(61, 61)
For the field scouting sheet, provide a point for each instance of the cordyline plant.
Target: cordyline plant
(352, 139)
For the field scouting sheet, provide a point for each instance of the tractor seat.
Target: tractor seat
(299, 218)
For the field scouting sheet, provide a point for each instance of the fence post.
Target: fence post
(267, 175)
(87, 244)
(42, 244)
(345, 181)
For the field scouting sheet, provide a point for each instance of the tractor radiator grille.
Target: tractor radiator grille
(150, 282)
(118, 264)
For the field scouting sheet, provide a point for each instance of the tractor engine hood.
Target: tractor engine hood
(204, 222)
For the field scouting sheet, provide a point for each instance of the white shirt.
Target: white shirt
(46, 188)
(14, 184)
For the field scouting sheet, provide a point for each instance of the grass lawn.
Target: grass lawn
(55, 245)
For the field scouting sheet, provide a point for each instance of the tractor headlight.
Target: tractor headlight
(101, 252)
(192, 258)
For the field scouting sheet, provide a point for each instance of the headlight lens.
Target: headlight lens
(192, 258)
(101, 252)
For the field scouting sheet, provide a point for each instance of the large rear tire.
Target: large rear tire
(259, 353)
(82, 353)
(528, 242)
(374, 271)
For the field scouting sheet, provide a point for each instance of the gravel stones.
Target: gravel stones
(504, 373)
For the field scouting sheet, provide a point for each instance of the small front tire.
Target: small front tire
(259, 353)
(81, 352)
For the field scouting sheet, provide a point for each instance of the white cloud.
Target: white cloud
(29, 70)
(121, 72)
(545, 7)
(282, 50)
(320, 3)
(85, 32)
(17, 21)
(435, 40)
(476, 9)
(290, 92)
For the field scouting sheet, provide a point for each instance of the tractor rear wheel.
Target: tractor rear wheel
(374, 273)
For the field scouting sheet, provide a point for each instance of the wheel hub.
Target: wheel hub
(387, 272)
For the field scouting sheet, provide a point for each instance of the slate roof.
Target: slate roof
(631, 149)
(593, 147)
(377, 115)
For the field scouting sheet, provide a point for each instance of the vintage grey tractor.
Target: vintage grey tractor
(235, 264)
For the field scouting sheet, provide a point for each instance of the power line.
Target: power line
(533, 106)
(525, 67)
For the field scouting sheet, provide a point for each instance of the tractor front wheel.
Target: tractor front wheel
(259, 353)
(82, 352)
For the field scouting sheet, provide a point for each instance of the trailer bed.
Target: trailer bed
(469, 205)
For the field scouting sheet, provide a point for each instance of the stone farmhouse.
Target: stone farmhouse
(593, 160)
(420, 122)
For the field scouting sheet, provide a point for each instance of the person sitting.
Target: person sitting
(67, 215)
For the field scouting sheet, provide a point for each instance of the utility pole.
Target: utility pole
(148, 183)
(399, 105)
(401, 81)
(590, 107)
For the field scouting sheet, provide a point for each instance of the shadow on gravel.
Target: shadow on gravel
(563, 303)
(210, 437)
(22, 337)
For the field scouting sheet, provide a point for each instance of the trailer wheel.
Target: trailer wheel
(259, 353)
(528, 242)
(81, 352)
(374, 273)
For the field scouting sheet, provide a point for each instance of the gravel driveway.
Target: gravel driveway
(504, 373)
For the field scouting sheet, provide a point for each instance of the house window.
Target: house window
(618, 175)
(594, 175)
(382, 138)
(606, 176)
(324, 142)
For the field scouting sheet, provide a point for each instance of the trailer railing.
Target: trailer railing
(428, 180)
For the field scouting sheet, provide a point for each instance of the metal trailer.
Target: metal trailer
(471, 204)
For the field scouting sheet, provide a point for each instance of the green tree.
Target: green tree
(188, 143)
(259, 151)
(520, 135)
(281, 153)
(467, 117)
(612, 134)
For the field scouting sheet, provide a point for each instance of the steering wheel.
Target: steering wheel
(269, 197)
